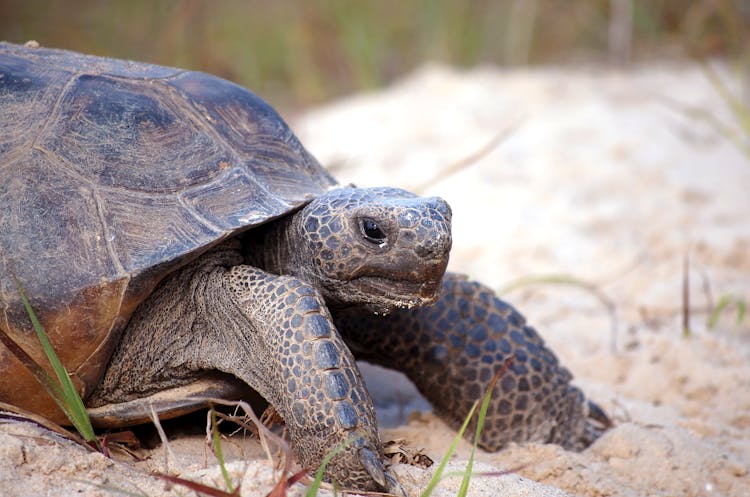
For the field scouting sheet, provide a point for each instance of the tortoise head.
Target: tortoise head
(378, 247)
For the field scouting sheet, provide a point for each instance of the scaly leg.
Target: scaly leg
(273, 333)
(452, 349)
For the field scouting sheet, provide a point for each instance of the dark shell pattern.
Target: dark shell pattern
(113, 174)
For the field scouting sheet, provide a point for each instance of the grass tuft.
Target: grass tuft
(467, 473)
(437, 476)
(306, 52)
(725, 301)
(464, 488)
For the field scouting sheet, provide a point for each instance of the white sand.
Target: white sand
(607, 176)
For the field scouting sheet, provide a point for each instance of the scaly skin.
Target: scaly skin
(313, 380)
(127, 181)
(257, 307)
(275, 334)
(452, 349)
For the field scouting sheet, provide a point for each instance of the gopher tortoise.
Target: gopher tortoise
(178, 242)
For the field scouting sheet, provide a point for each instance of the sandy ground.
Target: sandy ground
(610, 177)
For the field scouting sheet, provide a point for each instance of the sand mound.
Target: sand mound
(610, 177)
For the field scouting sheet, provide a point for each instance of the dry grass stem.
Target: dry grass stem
(163, 437)
(467, 161)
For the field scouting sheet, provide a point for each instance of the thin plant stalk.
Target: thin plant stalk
(219, 453)
(464, 488)
(437, 476)
(168, 454)
(441, 467)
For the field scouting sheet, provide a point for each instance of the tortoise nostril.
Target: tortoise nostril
(423, 251)
(433, 248)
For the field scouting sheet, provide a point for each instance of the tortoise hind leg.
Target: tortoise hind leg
(452, 349)
(272, 333)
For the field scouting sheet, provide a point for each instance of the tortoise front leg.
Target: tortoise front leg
(310, 377)
(273, 333)
(452, 349)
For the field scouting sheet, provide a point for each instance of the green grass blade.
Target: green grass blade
(441, 467)
(741, 311)
(437, 476)
(219, 453)
(68, 400)
(735, 103)
(724, 301)
(464, 488)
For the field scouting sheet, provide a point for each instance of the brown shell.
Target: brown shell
(113, 174)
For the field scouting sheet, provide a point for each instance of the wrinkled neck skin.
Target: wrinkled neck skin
(277, 248)
(269, 247)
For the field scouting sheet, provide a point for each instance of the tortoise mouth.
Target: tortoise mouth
(383, 294)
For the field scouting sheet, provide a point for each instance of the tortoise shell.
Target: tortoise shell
(113, 174)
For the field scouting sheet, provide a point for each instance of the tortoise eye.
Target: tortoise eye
(371, 231)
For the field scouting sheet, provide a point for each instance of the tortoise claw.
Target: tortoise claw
(374, 467)
(393, 487)
(598, 415)
(372, 464)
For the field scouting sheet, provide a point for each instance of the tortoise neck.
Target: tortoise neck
(272, 247)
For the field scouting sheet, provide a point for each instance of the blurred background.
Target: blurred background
(299, 53)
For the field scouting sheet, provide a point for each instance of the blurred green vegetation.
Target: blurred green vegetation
(296, 53)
